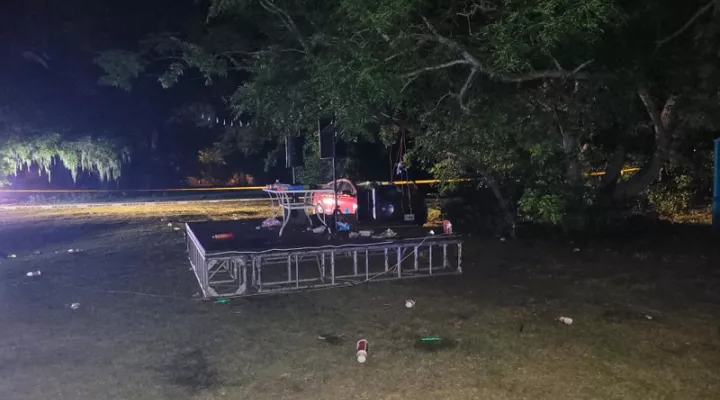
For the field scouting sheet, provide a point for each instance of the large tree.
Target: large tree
(514, 91)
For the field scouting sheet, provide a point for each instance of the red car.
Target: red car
(346, 195)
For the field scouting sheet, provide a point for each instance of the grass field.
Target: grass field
(645, 308)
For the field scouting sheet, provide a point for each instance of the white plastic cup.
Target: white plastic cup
(409, 303)
(34, 273)
(362, 350)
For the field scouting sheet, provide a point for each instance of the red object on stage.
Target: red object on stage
(223, 236)
(447, 227)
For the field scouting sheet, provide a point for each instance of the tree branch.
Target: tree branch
(476, 64)
(441, 66)
(466, 86)
(269, 6)
(687, 25)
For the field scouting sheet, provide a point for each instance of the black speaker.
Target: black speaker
(390, 204)
(294, 151)
(326, 137)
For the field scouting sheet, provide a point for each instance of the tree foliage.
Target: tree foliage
(527, 95)
(23, 146)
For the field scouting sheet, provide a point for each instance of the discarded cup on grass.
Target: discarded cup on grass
(12, 256)
(361, 350)
(565, 320)
(222, 236)
(75, 306)
(34, 273)
(169, 223)
(409, 303)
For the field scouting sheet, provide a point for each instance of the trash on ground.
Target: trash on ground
(222, 301)
(353, 235)
(389, 233)
(434, 343)
(75, 306)
(223, 236)
(432, 232)
(270, 223)
(502, 239)
(319, 229)
(177, 228)
(365, 233)
(38, 252)
(648, 317)
(169, 223)
(565, 320)
(12, 256)
(409, 303)
(331, 338)
(361, 350)
(34, 273)
(576, 250)
(343, 227)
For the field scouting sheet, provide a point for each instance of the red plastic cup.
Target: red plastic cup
(223, 236)
(361, 350)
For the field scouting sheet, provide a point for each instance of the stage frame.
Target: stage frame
(228, 274)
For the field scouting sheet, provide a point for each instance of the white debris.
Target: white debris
(177, 228)
(319, 229)
(12, 255)
(169, 223)
(409, 303)
(34, 273)
(565, 320)
(75, 306)
(576, 250)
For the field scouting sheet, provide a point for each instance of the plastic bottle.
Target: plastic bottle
(362, 350)
(34, 273)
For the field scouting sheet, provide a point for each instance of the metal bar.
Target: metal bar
(322, 267)
(445, 259)
(387, 265)
(399, 262)
(367, 265)
(355, 267)
(297, 272)
(430, 259)
(259, 267)
(332, 267)
(289, 267)
(416, 264)
(459, 254)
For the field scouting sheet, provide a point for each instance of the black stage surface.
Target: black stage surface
(248, 239)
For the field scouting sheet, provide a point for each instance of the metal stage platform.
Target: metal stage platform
(259, 261)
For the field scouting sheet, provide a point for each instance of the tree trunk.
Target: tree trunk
(662, 122)
(507, 212)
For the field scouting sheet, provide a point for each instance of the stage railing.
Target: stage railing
(233, 274)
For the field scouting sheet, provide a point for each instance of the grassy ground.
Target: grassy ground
(645, 311)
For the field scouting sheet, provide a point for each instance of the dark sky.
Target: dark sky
(67, 35)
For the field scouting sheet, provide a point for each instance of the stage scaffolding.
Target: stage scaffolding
(223, 274)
